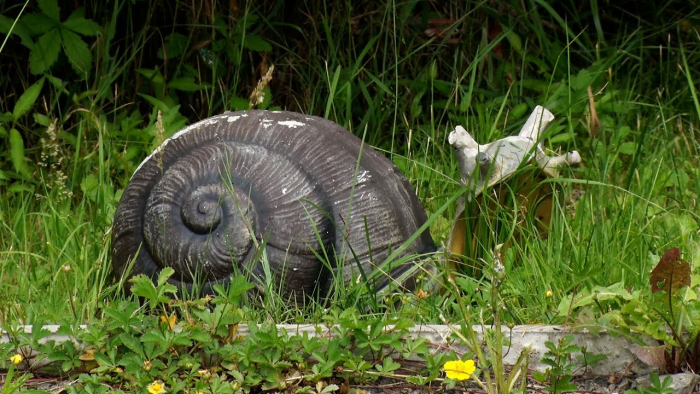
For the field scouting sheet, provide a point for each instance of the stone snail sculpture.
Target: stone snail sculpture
(263, 194)
(295, 197)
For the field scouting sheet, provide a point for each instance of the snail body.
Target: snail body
(266, 193)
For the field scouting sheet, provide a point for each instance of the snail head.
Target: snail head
(483, 166)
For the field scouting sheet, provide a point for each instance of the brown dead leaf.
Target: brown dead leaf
(653, 356)
(671, 273)
(441, 28)
(88, 355)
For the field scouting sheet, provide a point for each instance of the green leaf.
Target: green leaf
(41, 119)
(236, 103)
(19, 29)
(77, 51)
(331, 388)
(164, 275)
(17, 153)
(142, 286)
(246, 23)
(155, 102)
(267, 98)
(175, 46)
(238, 286)
(534, 84)
(628, 148)
(514, 41)
(153, 336)
(27, 99)
(50, 9)
(89, 186)
(256, 43)
(154, 76)
(519, 111)
(102, 359)
(45, 52)
(132, 343)
(38, 24)
(19, 188)
(198, 335)
(561, 138)
(77, 23)
(58, 84)
(186, 84)
(388, 366)
(584, 78)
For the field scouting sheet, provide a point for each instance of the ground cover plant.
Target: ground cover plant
(89, 89)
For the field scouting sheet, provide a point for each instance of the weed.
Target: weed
(494, 338)
(196, 344)
(559, 359)
(657, 386)
(666, 310)
(10, 386)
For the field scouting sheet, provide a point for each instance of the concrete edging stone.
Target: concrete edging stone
(618, 349)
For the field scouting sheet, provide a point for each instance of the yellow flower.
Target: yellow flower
(16, 359)
(459, 370)
(170, 320)
(549, 294)
(156, 387)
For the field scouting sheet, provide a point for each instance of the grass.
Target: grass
(392, 72)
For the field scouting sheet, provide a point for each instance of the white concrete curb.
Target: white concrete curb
(618, 349)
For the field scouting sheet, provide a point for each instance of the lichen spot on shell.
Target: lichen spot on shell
(291, 123)
(363, 177)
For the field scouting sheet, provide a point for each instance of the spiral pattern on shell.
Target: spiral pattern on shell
(212, 198)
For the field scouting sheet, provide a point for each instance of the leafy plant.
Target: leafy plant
(14, 137)
(560, 372)
(174, 345)
(502, 382)
(13, 383)
(44, 33)
(657, 386)
(668, 311)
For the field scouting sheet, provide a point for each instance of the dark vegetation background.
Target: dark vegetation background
(400, 57)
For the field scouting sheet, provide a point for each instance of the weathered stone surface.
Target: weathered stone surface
(681, 383)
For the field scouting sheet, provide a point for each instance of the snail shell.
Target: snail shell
(221, 193)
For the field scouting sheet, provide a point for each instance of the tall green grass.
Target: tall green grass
(371, 67)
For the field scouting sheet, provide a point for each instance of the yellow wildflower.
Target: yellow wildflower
(170, 320)
(459, 370)
(156, 387)
(16, 359)
(549, 294)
